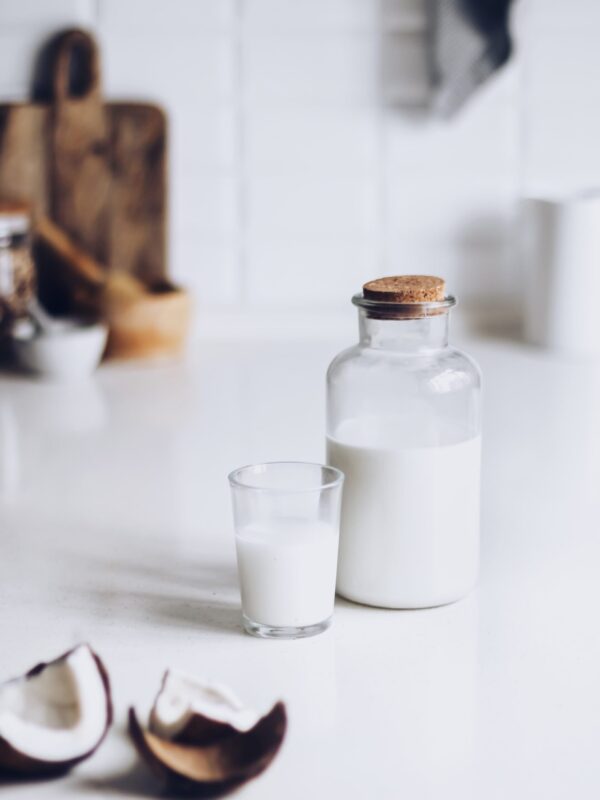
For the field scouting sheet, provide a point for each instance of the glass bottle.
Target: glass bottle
(403, 424)
(17, 272)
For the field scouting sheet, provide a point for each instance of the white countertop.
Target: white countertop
(115, 528)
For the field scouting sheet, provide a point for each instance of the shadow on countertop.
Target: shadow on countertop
(167, 591)
(154, 608)
(137, 781)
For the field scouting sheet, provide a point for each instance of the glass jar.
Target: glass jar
(403, 424)
(17, 272)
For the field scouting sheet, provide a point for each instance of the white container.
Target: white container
(69, 352)
(404, 424)
(560, 241)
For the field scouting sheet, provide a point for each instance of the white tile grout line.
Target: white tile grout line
(240, 158)
(522, 15)
(97, 14)
(521, 20)
(381, 155)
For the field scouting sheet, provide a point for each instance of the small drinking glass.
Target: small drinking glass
(287, 520)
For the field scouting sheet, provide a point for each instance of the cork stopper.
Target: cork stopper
(406, 289)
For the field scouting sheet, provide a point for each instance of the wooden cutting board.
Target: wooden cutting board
(97, 170)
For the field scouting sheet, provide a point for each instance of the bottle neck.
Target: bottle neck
(411, 336)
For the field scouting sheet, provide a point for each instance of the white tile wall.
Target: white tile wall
(311, 206)
(188, 16)
(295, 172)
(306, 141)
(33, 14)
(450, 193)
(325, 69)
(310, 16)
(306, 272)
(164, 65)
(562, 136)
(24, 26)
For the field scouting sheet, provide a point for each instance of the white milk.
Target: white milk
(287, 571)
(409, 535)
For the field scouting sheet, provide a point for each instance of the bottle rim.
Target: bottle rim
(381, 309)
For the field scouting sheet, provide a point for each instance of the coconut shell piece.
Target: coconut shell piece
(54, 716)
(192, 711)
(215, 769)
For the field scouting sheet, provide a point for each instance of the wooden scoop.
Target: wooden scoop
(143, 321)
(117, 286)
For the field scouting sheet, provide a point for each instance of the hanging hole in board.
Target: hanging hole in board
(79, 73)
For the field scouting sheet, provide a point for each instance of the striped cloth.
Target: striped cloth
(468, 41)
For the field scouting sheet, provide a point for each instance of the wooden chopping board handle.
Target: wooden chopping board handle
(76, 67)
(80, 163)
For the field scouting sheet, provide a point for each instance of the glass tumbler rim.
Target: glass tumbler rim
(336, 477)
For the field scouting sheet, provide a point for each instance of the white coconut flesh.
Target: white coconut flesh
(181, 697)
(58, 714)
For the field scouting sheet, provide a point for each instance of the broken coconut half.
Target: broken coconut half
(54, 716)
(201, 741)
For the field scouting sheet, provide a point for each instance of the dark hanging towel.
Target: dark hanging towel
(468, 41)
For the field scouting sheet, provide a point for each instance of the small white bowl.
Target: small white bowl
(72, 350)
